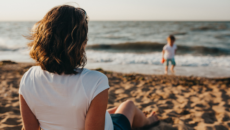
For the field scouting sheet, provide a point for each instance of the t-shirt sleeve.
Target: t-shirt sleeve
(22, 83)
(175, 46)
(102, 85)
(165, 47)
(94, 83)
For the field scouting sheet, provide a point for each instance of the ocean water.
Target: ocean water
(200, 44)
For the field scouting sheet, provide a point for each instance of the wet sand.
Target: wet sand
(201, 71)
(182, 103)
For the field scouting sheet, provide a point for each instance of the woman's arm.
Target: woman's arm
(95, 117)
(30, 122)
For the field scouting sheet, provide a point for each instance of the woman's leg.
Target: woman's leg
(112, 110)
(135, 116)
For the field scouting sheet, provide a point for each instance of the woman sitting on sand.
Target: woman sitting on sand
(59, 94)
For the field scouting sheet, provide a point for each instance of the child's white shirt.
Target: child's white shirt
(169, 51)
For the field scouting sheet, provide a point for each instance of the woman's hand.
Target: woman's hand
(95, 117)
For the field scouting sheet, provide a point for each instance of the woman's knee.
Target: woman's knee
(126, 107)
(128, 103)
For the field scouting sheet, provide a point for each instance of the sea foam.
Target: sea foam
(155, 59)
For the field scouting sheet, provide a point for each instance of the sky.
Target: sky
(122, 10)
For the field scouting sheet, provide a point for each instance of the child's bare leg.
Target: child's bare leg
(112, 110)
(172, 68)
(135, 116)
(166, 69)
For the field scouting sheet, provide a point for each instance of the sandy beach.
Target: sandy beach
(182, 103)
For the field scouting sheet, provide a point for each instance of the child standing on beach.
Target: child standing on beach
(168, 53)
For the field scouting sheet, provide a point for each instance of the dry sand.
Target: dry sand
(182, 103)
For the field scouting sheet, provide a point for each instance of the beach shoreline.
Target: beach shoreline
(182, 102)
(148, 69)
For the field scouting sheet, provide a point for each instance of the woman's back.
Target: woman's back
(61, 101)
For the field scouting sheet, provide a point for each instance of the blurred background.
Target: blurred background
(128, 36)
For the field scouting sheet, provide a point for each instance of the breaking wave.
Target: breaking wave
(147, 47)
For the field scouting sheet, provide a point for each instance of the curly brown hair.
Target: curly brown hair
(59, 40)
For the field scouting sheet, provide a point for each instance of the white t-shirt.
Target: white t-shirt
(169, 51)
(60, 102)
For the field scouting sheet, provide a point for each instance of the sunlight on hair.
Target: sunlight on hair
(74, 4)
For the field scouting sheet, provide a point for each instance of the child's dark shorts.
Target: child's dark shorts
(170, 60)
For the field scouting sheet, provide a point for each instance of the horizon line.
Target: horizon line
(129, 20)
